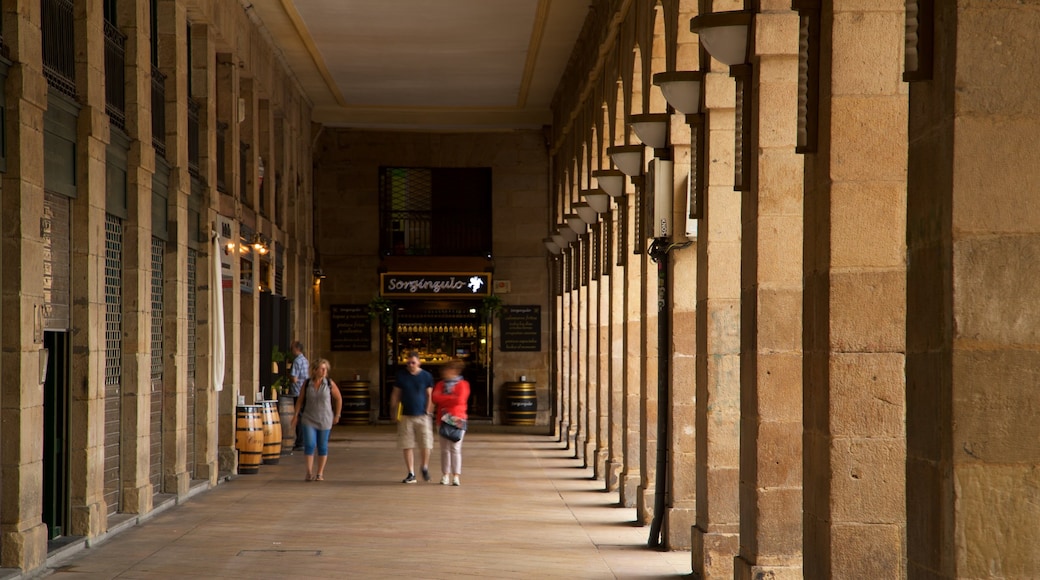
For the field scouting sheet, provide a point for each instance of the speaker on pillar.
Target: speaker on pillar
(660, 182)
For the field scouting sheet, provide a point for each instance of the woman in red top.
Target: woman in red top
(450, 395)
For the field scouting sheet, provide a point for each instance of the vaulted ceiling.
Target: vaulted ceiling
(456, 65)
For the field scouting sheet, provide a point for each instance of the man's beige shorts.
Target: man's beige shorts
(414, 431)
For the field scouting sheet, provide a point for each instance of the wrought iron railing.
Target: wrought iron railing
(436, 233)
(193, 137)
(59, 57)
(115, 75)
(243, 182)
(159, 112)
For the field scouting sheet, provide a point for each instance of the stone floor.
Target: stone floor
(525, 509)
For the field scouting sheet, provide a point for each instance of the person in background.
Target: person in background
(451, 395)
(414, 427)
(299, 372)
(319, 403)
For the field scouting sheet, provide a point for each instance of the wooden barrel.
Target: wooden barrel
(286, 410)
(249, 438)
(356, 402)
(521, 403)
(272, 428)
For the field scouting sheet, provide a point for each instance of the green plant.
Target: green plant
(381, 308)
(490, 306)
(278, 358)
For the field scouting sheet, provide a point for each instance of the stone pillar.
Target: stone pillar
(771, 308)
(716, 533)
(633, 367)
(248, 343)
(136, 379)
(86, 412)
(563, 332)
(973, 321)
(23, 535)
(648, 343)
(855, 285)
(577, 404)
(586, 374)
(602, 360)
(682, 445)
(616, 323)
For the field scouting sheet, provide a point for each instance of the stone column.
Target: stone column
(682, 445)
(647, 386)
(855, 284)
(771, 309)
(564, 348)
(87, 254)
(616, 322)
(973, 320)
(586, 390)
(715, 535)
(632, 453)
(136, 380)
(602, 360)
(248, 343)
(23, 535)
(577, 404)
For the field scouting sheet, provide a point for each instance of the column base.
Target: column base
(744, 570)
(24, 549)
(599, 464)
(677, 524)
(177, 483)
(89, 520)
(645, 506)
(713, 554)
(613, 472)
(137, 500)
(628, 488)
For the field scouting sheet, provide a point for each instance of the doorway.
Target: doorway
(55, 439)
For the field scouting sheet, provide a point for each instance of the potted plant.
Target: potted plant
(277, 367)
(490, 307)
(381, 308)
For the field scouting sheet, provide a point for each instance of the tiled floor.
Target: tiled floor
(526, 509)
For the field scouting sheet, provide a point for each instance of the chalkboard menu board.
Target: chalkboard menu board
(521, 328)
(350, 327)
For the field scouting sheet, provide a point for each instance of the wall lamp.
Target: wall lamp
(319, 275)
(552, 246)
(682, 90)
(611, 181)
(586, 213)
(725, 35)
(597, 200)
(569, 235)
(558, 238)
(651, 128)
(627, 158)
(576, 224)
(259, 244)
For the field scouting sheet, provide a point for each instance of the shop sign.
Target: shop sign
(439, 284)
(521, 328)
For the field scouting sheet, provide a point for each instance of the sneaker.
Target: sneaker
(426, 474)
(446, 480)
(455, 481)
(409, 479)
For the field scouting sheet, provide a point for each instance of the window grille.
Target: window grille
(115, 75)
(113, 360)
(158, 248)
(59, 56)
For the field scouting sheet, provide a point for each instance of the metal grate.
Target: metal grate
(113, 359)
(193, 260)
(407, 196)
(159, 112)
(279, 269)
(158, 249)
(113, 298)
(222, 168)
(193, 137)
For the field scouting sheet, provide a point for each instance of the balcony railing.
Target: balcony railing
(436, 233)
(159, 112)
(59, 57)
(115, 75)
(193, 137)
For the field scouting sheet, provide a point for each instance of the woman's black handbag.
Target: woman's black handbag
(452, 428)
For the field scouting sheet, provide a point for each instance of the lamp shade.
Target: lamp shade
(597, 200)
(577, 225)
(568, 234)
(682, 89)
(552, 246)
(612, 181)
(651, 128)
(724, 35)
(628, 158)
(561, 241)
(586, 213)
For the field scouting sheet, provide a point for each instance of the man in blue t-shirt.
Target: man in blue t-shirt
(299, 372)
(414, 427)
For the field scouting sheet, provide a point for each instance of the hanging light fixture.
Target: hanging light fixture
(576, 224)
(561, 241)
(552, 246)
(682, 90)
(627, 158)
(611, 181)
(725, 35)
(597, 200)
(586, 213)
(568, 234)
(651, 128)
